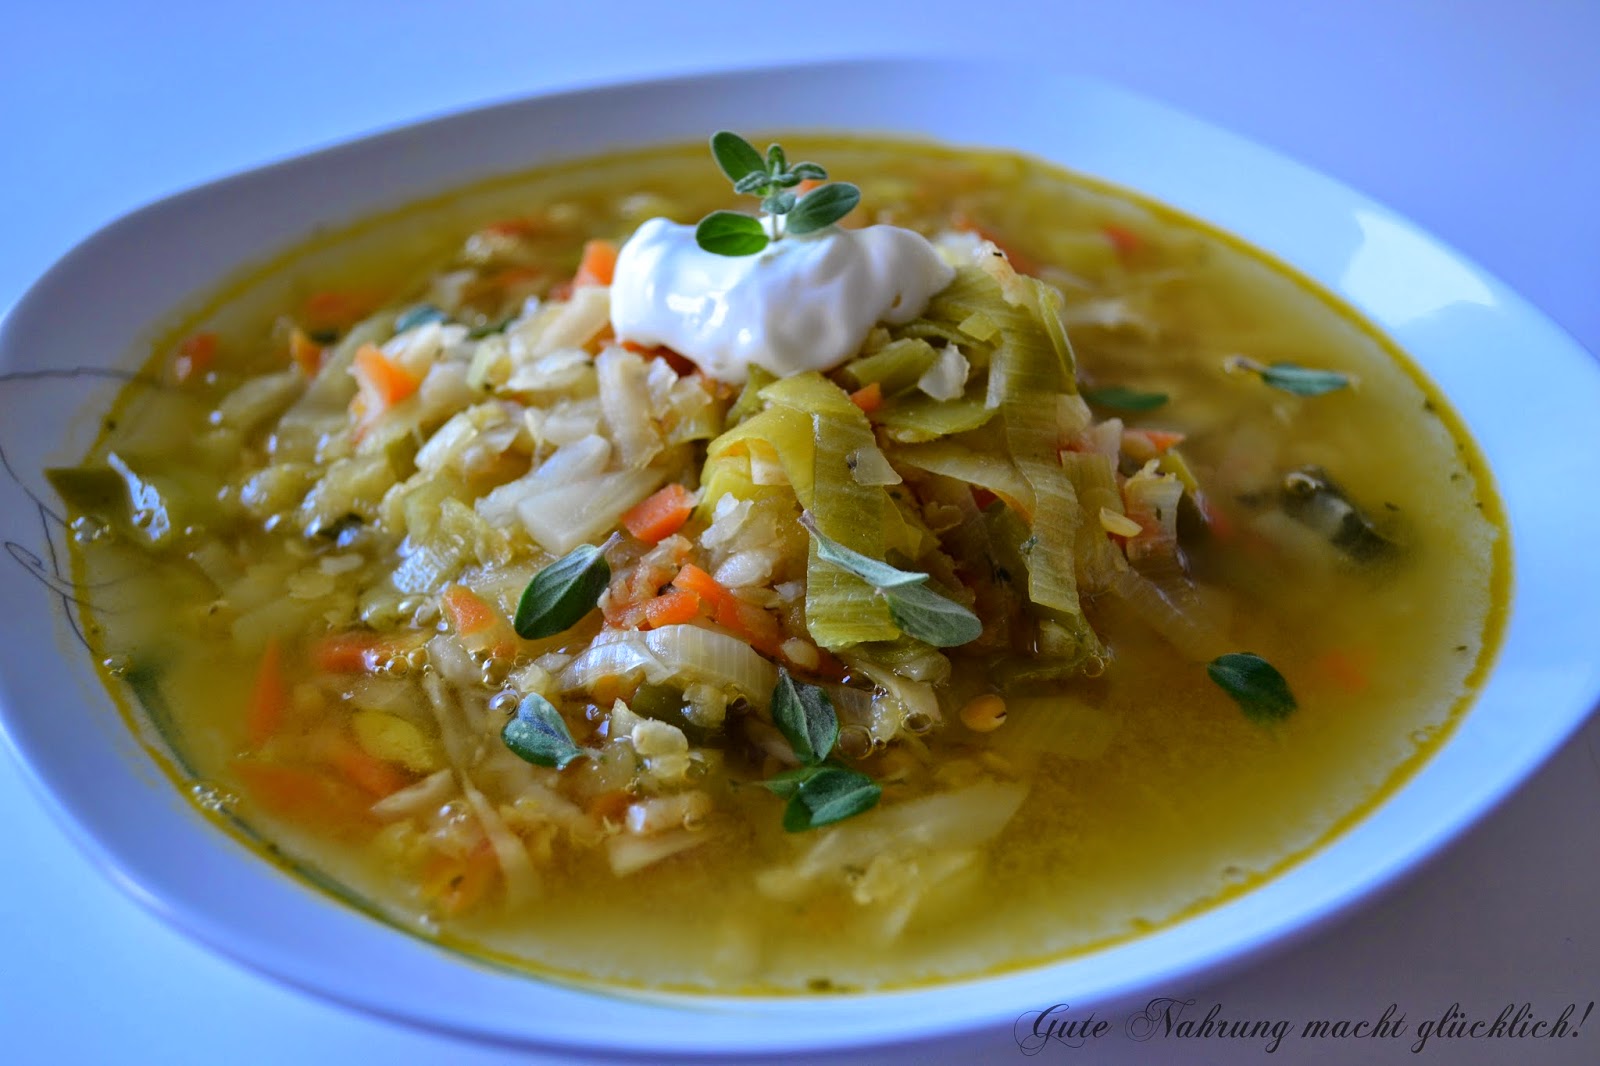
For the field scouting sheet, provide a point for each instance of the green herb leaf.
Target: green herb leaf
(736, 156)
(538, 734)
(419, 315)
(822, 207)
(922, 613)
(562, 593)
(755, 183)
(779, 203)
(777, 162)
(878, 574)
(919, 611)
(1255, 685)
(1303, 381)
(1121, 398)
(806, 718)
(788, 782)
(809, 171)
(830, 794)
(1300, 380)
(786, 180)
(730, 233)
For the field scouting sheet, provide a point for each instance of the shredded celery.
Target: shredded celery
(996, 473)
(1031, 368)
(917, 417)
(1098, 560)
(783, 429)
(749, 402)
(841, 608)
(894, 368)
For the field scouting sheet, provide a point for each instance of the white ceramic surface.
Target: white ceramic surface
(1460, 325)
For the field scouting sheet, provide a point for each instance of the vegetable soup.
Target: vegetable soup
(944, 571)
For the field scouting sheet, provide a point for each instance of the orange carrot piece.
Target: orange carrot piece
(681, 364)
(338, 308)
(454, 885)
(305, 352)
(384, 382)
(374, 776)
(1164, 438)
(346, 653)
(869, 397)
(1345, 667)
(693, 579)
(598, 266)
(195, 356)
(1217, 519)
(269, 699)
(626, 615)
(1147, 443)
(481, 627)
(755, 624)
(659, 515)
(359, 652)
(670, 608)
(610, 806)
(304, 795)
(751, 622)
(1123, 239)
(469, 613)
(513, 227)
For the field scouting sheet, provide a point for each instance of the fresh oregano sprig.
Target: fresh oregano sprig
(918, 610)
(819, 792)
(771, 178)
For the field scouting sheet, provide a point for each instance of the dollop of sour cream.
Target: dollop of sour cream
(803, 303)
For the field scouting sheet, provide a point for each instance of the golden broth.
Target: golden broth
(1168, 798)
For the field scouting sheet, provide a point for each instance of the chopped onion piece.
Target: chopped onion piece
(869, 466)
(431, 792)
(660, 813)
(700, 654)
(947, 377)
(562, 518)
(558, 371)
(582, 460)
(629, 853)
(569, 325)
(625, 406)
(522, 883)
(623, 656)
(1120, 524)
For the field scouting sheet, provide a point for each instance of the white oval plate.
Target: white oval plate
(1508, 371)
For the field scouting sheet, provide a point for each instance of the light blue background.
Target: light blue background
(1477, 120)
